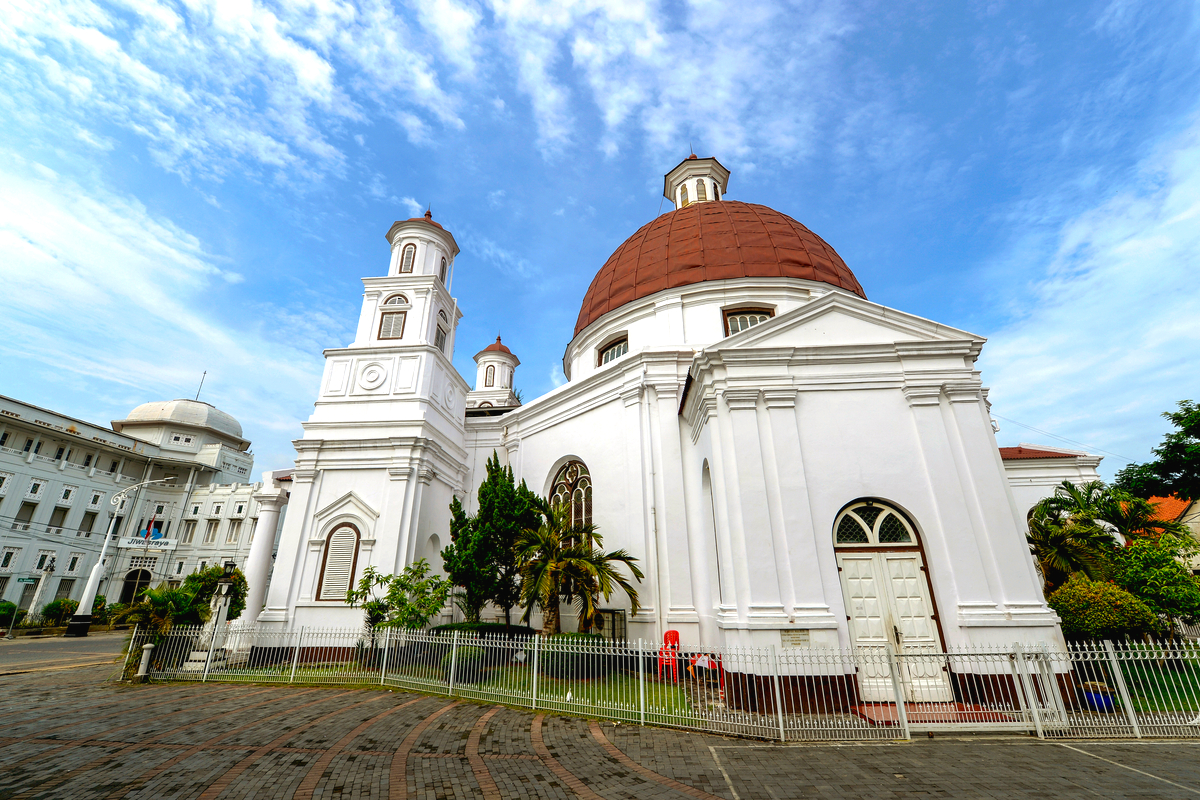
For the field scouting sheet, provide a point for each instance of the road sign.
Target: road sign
(26, 580)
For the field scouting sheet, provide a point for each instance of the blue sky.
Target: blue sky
(199, 185)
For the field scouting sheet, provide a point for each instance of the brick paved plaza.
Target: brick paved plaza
(70, 733)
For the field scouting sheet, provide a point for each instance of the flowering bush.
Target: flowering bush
(1100, 610)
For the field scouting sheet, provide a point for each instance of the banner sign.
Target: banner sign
(138, 543)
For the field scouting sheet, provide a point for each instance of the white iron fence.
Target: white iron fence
(1089, 690)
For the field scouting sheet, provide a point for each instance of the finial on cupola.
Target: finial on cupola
(429, 213)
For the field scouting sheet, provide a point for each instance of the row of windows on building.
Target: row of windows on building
(62, 452)
(735, 322)
(233, 531)
(9, 560)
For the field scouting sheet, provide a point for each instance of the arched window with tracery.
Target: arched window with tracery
(701, 191)
(338, 563)
(490, 376)
(572, 490)
(407, 257)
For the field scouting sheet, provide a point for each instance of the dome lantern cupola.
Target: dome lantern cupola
(695, 180)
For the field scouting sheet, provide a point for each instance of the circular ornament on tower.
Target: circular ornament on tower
(372, 375)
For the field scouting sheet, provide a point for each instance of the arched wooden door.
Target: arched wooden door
(888, 600)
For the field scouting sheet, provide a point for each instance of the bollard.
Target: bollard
(144, 668)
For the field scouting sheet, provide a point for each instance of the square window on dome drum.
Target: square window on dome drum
(613, 351)
(745, 318)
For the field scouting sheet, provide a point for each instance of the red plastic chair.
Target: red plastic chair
(668, 654)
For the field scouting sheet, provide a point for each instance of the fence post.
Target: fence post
(208, 658)
(1030, 690)
(898, 692)
(387, 634)
(642, 681)
(132, 642)
(143, 673)
(296, 655)
(778, 694)
(1119, 678)
(537, 642)
(453, 661)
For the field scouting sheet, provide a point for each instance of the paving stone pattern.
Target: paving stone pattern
(72, 735)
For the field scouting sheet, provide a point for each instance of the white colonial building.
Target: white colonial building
(57, 475)
(789, 461)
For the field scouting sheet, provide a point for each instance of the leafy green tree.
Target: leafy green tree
(1153, 571)
(1175, 469)
(407, 600)
(203, 584)
(481, 557)
(469, 563)
(1100, 610)
(560, 560)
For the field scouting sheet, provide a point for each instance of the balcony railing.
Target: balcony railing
(23, 526)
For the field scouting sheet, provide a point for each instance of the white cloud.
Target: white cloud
(490, 252)
(414, 208)
(741, 77)
(557, 378)
(115, 296)
(216, 86)
(1107, 339)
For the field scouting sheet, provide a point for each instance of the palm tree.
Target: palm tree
(159, 609)
(564, 560)
(1094, 502)
(1064, 547)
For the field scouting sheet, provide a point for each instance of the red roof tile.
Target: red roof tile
(1017, 453)
(1169, 508)
(712, 241)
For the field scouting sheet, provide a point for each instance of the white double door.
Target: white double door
(887, 600)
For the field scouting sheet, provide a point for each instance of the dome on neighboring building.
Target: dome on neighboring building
(183, 412)
(707, 241)
(495, 347)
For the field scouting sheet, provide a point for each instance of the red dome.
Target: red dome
(708, 242)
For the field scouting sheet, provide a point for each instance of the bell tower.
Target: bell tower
(695, 180)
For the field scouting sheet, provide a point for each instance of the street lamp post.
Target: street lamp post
(82, 620)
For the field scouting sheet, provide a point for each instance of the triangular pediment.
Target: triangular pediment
(348, 504)
(840, 319)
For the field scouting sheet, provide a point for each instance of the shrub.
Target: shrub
(56, 612)
(572, 655)
(1100, 610)
(112, 611)
(471, 666)
(486, 629)
(6, 615)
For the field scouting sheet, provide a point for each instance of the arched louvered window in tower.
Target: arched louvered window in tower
(716, 192)
(683, 198)
(490, 376)
(701, 192)
(391, 321)
(442, 273)
(572, 489)
(407, 257)
(338, 563)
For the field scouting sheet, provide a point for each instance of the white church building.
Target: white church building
(789, 461)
